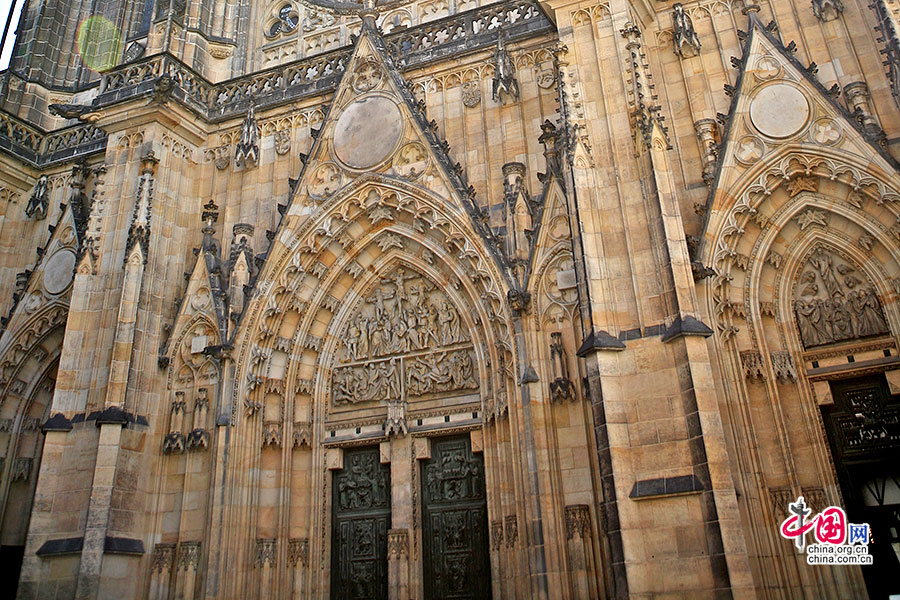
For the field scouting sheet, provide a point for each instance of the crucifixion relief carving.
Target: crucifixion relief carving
(407, 339)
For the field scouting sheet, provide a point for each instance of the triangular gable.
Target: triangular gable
(202, 301)
(49, 283)
(778, 105)
(376, 128)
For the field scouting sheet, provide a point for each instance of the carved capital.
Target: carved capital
(512, 530)
(496, 534)
(398, 544)
(298, 552)
(163, 558)
(752, 363)
(188, 555)
(578, 521)
(265, 552)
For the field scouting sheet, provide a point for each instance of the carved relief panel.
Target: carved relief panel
(455, 522)
(406, 340)
(834, 301)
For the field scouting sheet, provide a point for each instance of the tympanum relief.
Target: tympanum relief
(406, 340)
(835, 302)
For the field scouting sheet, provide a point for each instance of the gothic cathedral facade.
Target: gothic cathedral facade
(552, 299)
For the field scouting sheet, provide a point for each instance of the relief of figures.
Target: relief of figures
(835, 303)
(404, 314)
(363, 485)
(374, 381)
(440, 373)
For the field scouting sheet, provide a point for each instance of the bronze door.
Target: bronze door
(361, 514)
(863, 428)
(457, 565)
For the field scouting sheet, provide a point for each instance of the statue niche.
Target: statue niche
(834, 302)
(407, 339)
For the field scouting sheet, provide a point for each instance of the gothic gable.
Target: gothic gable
(376, 127)
(49, 283)
(200, 321)
(782, 116)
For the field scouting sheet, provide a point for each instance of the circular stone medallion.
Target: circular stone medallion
(58, 271)
(367, 132)
(779, 111)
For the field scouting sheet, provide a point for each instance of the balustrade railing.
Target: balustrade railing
(471, 30)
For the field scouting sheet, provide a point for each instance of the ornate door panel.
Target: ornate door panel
(863, 429)
(361, 505)
(455, 522)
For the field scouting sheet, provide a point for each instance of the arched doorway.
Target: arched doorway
(24, 406)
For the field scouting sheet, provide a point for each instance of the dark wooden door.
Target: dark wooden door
(361, 505)
(863, 428)
(457, 565)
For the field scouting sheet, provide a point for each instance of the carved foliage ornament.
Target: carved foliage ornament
(835, 302)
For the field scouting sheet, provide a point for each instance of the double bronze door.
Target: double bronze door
(454, 513)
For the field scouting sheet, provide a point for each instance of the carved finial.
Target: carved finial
(645, 112)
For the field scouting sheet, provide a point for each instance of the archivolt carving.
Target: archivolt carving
(746, 214)
(385, 233)
(27, 340)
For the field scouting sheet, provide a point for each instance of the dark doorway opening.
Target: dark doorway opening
(11, 559)
(863, 427)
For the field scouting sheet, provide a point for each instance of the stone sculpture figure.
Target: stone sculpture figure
(504, 73)
(40, 199)
(835, 303)
(248, 147)
(685, 39)
(827, 10)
